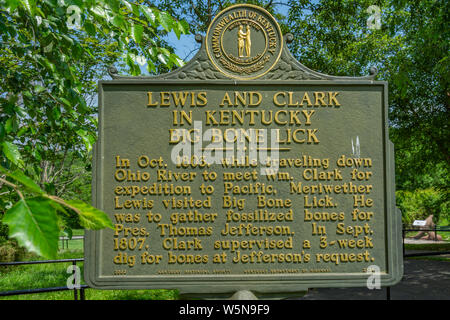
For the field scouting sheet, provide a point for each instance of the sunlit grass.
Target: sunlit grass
(55, 275)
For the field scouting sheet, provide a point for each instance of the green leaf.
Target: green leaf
(59, 208)
(177, 30)
(90, 28)
(136, 11)
(35, 153)
(114, 5)
(164, 56)
(127, 4)
(137, 30)
(12, 153)
(180, 27)
(9, 125)
(184, 26)
(86, 139)
(149, 14)
(56, 113)
(151, 66)
(166, 21)
(33, 223)
(19, 176)
(119, 22)
(50, 66)
(90, 217)
(12, 4)
(179, 62)
(38, 88)
(99, 12)
(65, 101)
(30, 5)
(22, 131)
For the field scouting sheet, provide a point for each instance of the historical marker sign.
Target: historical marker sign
(244, 170)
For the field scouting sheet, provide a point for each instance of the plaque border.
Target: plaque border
(260, 284)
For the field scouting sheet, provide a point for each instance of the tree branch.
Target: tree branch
(14, 186)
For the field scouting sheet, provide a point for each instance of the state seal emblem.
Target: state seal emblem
(244, 42)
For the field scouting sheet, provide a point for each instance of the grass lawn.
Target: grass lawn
(428, 246)
(55, 275)
(78, 232)
(435, 258)
(74, 244)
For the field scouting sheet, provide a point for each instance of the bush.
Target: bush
(10, 251)
(3, 232)
(419, 204)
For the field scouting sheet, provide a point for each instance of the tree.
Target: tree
(411, 52)
(51, 53)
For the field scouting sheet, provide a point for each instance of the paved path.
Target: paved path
(422, 280)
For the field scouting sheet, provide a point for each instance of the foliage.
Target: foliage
(79, 175)
(420, 204)
(34, 222)
(51, 54)
(3, 232)
(411, 52)
(10, 251)
(199, 13)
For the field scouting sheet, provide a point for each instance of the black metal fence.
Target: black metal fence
(78, 291)
(434, 229)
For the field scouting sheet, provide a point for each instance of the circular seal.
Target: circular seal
(244, 41)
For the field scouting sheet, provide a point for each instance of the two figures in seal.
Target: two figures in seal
(244, 41)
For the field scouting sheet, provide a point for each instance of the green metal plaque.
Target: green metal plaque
(244, 170)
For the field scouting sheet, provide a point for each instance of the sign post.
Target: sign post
(244, 170)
